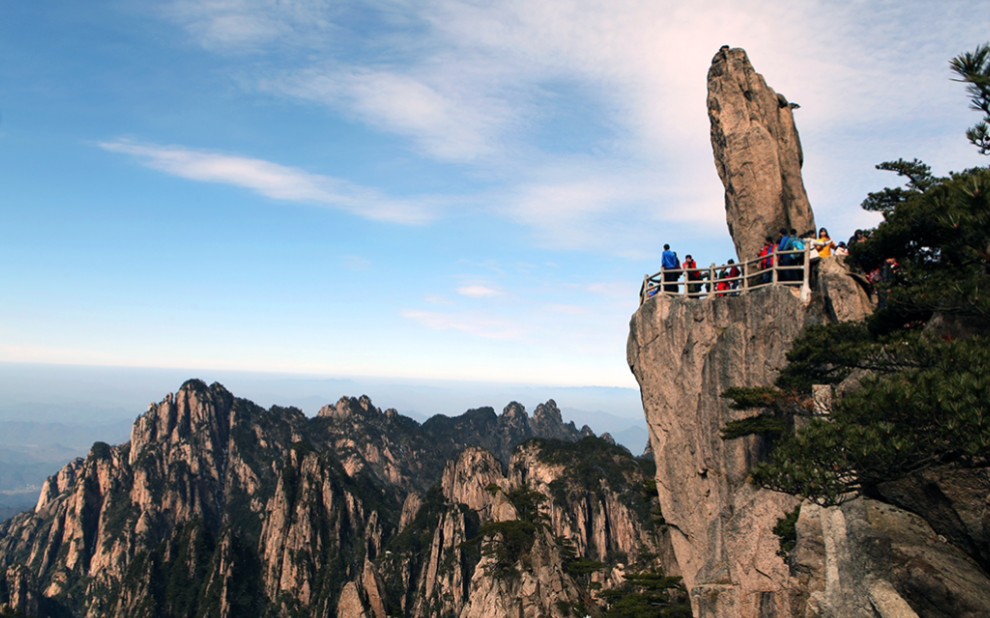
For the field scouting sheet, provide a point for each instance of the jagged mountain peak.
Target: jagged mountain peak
(513, 410)
(549, 411)
(349, 406)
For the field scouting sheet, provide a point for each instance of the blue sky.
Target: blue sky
(420, 190)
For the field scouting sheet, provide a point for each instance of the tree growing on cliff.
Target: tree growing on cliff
(973, 69)
(916, 376)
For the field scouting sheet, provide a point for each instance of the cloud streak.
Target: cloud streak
(477, 326)
(445, 120)
(272, 180)
(251, 26)
(478, 291)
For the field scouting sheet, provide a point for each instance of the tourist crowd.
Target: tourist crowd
(781, 256)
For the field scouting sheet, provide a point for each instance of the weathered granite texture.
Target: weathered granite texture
(684, 354)
(870, 558)
(757, 153)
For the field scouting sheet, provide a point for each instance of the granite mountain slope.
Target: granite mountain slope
(218, 507)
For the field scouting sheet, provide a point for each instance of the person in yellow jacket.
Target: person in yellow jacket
(824, 244)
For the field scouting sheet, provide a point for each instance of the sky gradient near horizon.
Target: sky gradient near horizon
(433, 189)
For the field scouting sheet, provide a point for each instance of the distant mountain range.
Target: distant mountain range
(219, 507)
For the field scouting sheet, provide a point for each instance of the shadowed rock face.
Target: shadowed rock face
(757, 153)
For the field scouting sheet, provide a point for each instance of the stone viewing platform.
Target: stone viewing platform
(732, 279)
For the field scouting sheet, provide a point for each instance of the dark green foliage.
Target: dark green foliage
(648, 594)
(527, 504)
(930, 254)
(974, 70)
(575, 565)
(918, 175)
(593, 465)
(244, 586)
(786, 531)
(185, 574)
(417, 535)
(933, 410)
(756, 397)
(764, 424)
(826, 354)
(100, 450)
(507, 542)
(776, 418)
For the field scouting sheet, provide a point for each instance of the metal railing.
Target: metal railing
(789, 268)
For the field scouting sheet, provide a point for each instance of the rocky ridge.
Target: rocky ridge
(217, 507)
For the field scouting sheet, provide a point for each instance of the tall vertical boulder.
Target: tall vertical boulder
(757, 153)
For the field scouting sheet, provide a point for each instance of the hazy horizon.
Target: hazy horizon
(50, 414)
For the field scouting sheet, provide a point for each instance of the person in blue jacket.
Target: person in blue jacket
(785, 243)
(669, 262)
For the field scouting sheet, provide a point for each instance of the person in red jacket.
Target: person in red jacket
(733, 273)
(767, 262)
(693, 276)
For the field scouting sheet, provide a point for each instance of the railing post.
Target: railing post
(773, 265)
(807, 267)
(745, 275)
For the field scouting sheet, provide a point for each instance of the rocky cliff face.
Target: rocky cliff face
(217, 507)
(757, 153)
(920, 549)
(685, 353)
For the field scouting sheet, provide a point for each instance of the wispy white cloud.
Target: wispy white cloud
(272, 180)
(481, 83)
(251, 25)
(478, 326)
(447, 119)
(478, 291)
